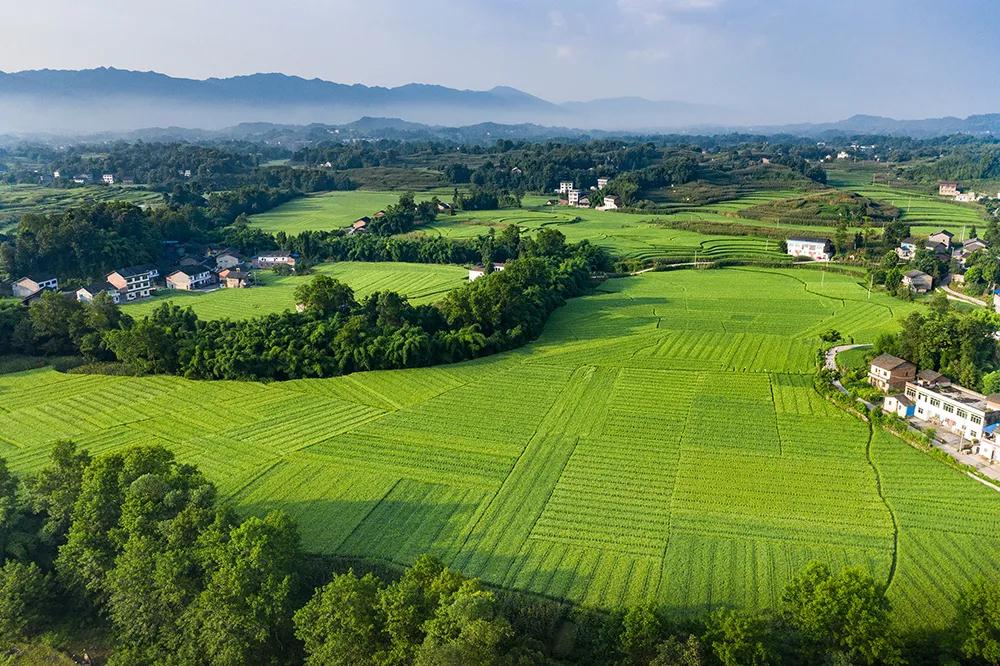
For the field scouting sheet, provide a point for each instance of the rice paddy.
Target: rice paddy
(421, 283)
(660, 442)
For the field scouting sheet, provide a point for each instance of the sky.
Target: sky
(770, 60)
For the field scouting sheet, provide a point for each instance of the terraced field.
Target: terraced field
(925, 212)
(661, 441)
(422, 283)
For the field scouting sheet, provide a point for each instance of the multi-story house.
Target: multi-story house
(191, 277)
(963, 412)
(134, 282)
(889, 373)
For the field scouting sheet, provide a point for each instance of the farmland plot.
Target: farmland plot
(660, 442)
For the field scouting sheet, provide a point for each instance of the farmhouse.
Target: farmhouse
(971, 247)
(516, 171)
(889, 372)
(818, 249)
(227, 259)
(277, 259)
(477, 272)
(190, 277)
(843, 155)
(603, 182)
(89, 293)
(32, 284)
(447, 207)
(359, 226)
(943, 237)
(234, 278)
(573, 197)
(610, 203)
(963, 412)
(907, 248)
(565, 186)
(966, 197)
(948, 188)
(134, 282)
(108, 179)
(918, 281)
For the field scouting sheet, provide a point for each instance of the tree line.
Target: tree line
(138, 547)
(333, 333)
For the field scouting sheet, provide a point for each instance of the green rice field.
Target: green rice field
(661, 441)
(16, 200)
(331, 210)
(421, 283)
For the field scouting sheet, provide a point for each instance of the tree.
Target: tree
(244, 613)
(741, 639)
(342, 624)
(25, 596)
(465, 629)
(672, 652)
(16, 537)
(980, 623)
(53, 491)
(325, 296)
(641, 630)
(845, 614)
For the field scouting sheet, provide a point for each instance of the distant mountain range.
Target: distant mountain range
(74, 102)
(108, 99)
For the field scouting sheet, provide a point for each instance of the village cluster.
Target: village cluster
(928, 397)
(577, 198)
(942, 243)
(204, 269)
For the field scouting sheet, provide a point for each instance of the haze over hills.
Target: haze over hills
(108, 100)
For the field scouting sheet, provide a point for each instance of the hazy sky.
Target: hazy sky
(784, 60)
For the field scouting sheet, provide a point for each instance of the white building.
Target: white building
(817, 249)
(602, 183)
(189, 278)
(108, 179)
(610, 203)
(966, 197)
(272, 260)
(134, 282)
(843, 155)
(573, 197)
(477, 272)
(941, 403)
(565, 186)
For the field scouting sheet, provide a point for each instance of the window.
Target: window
(949, 408)
(935, 402)
(911, 394)
(977, 420)
(962, 414)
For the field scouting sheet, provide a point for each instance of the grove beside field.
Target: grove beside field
(661, 441)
